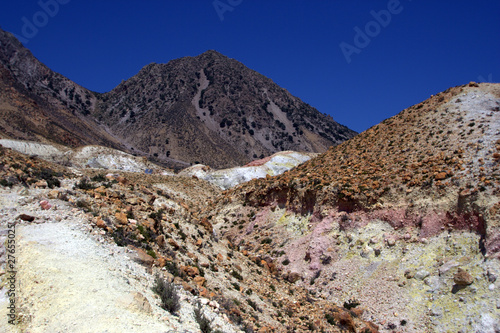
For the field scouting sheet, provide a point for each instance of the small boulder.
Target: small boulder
(421, 274)
(440, 176)
(173, 243)
(121, 218)
(463, 278)
(200, 280)
(54, 194)
(41, 184)
(26, 217)
(160, 240)
(293, 277)
(100, 223)
(45, 205)
(140, 256)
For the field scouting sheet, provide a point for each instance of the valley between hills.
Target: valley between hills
(314, 229)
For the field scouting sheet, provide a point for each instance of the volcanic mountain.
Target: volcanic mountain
(207, 109)
(213, 110)
(41, 105)
(392, 216)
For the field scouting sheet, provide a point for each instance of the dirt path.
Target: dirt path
(70, 279)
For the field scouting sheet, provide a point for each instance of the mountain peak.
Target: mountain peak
(226, 113)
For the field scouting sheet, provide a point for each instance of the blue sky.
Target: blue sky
(359, 61)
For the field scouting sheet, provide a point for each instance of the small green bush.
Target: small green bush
(84, 184)
(170, 300)
(202, 320)
(99, 178)
(330, 319)
(237, 275)
(352, 303)
(152, 253)
(5, 183)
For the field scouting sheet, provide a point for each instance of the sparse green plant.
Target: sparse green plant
(169, 296)
(83, 204)
(49, 176)
(350, 304)
(266, 241)
(119, 237)
(6, 183)
(98, 178)
(252, 304)
(201, 319)
(237, 275)
(158, 215)
(84, 184)
(172, 268)
(330, 319)
(152, 253)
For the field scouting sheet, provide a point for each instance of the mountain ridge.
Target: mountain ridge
(204, 93)
(209, 109)
(393, 218)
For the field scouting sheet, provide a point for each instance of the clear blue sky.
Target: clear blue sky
(418, 48)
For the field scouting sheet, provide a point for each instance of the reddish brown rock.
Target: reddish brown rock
(160, 240)
(122, 180)
(190, 270)
(162, 262)
(100, 223)
(463, 278)
(173, 243)
(200, 281)
(121, 218)
(203, 292)
(140, 256)
(187, 286)
(207, 225)
(26, 217)
(45, 205)
(440, 176)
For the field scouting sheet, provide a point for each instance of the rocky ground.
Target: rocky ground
(395, 230)
(403, 218)
(90, 244)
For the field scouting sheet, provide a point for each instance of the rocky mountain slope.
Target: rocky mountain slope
(403, 218)
(39, 104)
(213, 110)
(208, 109)
(104, 238)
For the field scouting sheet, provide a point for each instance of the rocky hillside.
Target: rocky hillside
(213, 110)
(39, 104)
(207, 109)
(403, 218)
(104, 239)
